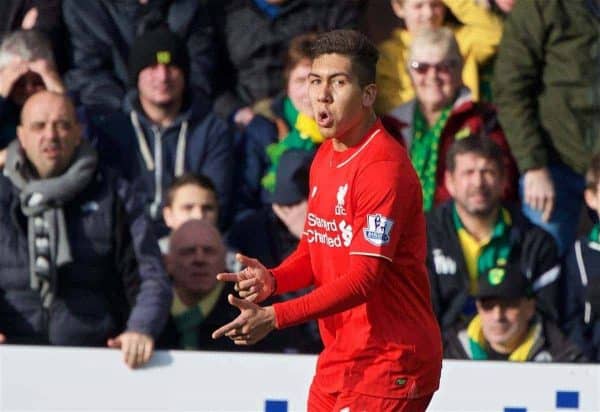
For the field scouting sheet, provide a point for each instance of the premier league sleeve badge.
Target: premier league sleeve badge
(378, 230)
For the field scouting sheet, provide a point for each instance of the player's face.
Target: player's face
(191, 202)
(196, 256)
(339, 103)
(505, 321)
(420, 14)
(476, 184)
(436, 76)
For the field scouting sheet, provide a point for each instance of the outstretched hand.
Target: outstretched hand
(255, 283)
(253, 323)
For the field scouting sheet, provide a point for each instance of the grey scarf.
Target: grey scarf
(42, 201)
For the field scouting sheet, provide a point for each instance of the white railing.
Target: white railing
(75, 379)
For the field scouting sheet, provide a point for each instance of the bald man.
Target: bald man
(196, 255)
(71, 236)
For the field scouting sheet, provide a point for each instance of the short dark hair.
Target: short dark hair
(356, 46)
(480, 145)
(189, 179)
(592, 177)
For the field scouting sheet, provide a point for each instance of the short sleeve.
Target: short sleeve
(386, 198)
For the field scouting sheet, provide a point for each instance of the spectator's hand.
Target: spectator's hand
(49, 75)
(243, 116)
(253, 323)
(255, 283)
(539, 191)
(2, 338)
(2, 158)
(30, 19)
(292, 216)
(10, 74)
(137, 347)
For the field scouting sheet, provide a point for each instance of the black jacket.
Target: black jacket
(102, 31)
(551, 346)
(253, 45)
(533, 249)
(116, 281)
(581, 297)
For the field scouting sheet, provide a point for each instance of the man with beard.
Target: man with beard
(474, 235)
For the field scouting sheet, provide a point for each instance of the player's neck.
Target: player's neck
(354, 135)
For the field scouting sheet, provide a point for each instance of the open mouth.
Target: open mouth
(324, 118)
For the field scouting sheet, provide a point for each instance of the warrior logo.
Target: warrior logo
(341, 195)
(378, 230)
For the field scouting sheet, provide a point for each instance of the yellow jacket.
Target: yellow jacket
(478, 37)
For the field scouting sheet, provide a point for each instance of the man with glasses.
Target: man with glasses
(443, 111)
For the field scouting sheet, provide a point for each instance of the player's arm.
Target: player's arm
(295, 272)
(395, 200)
(337, 296)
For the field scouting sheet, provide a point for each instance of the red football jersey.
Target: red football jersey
(364, 248)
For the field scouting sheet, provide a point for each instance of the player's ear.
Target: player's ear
(369, 94)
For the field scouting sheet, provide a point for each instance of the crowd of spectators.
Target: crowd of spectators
(126, 125)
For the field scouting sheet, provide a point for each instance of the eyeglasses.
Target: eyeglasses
(444, 67)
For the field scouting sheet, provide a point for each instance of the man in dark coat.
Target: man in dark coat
(196, 255)
(507, 327)
(475, 233)
(80, 265)
(164, 130)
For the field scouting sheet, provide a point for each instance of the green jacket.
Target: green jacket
(547, 83)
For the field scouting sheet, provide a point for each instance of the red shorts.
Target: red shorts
(320, 401)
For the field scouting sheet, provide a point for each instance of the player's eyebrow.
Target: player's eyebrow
(330, 76)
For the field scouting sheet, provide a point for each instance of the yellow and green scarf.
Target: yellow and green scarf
(424, 151)
(304, 135)
(479, 346)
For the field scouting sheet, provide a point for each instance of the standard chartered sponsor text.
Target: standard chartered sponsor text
(329, 235)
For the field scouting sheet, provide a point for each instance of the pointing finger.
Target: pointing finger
(233, 325)
(228, 277)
